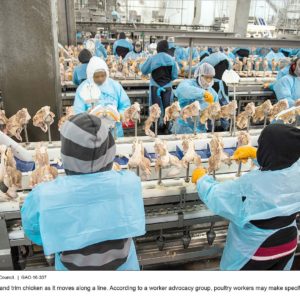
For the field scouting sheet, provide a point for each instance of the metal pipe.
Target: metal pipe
(238, 173)
(187, 176)
(191, 57)
(159, 176)
(212, 126)
(135, 128)
(195, 125)
(156, 125)
(26, 135)
(49, 133)
(248, 125)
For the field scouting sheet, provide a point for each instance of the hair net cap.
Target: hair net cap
(205, 70)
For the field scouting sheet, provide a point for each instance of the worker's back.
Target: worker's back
(73, 212)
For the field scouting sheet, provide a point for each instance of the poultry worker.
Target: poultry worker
(261, 205)
(197, 89)
(163, 70)
(288, 87)
(172, 46)
(100, 50)
(121, 46)
(136, 53)
(89, 217)
(99, 89)
(275, 55)
(79, 73)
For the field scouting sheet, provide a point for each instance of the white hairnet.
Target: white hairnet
(205, 70)
(96, 64)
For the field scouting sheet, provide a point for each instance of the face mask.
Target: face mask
(138, 48)
(204, 84)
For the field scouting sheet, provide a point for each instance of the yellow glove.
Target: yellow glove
(243, 153)
(197, 174)
(208, 97)
(266, 85)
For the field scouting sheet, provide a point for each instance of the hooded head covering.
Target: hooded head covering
(162, 46)
(205, 69)
(122, 36)
(84, 56)
(137, 44)
(87, 145)
(96, 64)
(278, 147)
(295, 68)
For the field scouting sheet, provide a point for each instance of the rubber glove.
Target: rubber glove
(197, 174)
(208, 97)
(266, 85)
(243, 153)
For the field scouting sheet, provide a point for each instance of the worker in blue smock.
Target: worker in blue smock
(275, 55)
(163, 69)
(172, 46)
(196, 89)
(261, 52)
(89, 217)
(79, 73)
(180, 56)
(121, 46)
(261, 205)
(195, 55)
(99, 89)
(203, 53)
(241, 52)
(229, 54)
(284, 67)
(288, 87)
(100, 50)
(136, 53)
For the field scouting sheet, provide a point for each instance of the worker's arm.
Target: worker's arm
(174, 71)
(30, 218)
(75, 77)
(130, 47)
(123, 99)
(224, 199)
(146, 66)
(79, 103)
(103, 51)
(283, 90)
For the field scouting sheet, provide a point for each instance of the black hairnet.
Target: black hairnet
(84, 56)
(162, 46)
(278, 147)
(122, 36)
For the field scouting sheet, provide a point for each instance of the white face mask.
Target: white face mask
(204, 84)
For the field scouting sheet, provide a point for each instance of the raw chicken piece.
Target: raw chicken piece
(16, 123)
(43, 118)
(132, 113)
(278, 107)
(262, 111)
(297, 102)
(265, 65)
(3, 119)
(138, 160)
(243, 139)
(229, 110)
(249, 65)
(243, 117)
(217, 154)
(212, 112)
(257, 64)
(191, 110)
(43, 171)
(190, 155)
(172, 112)
(238, 66)
(9, 175)
(290, 115)
(274, 65)
(165, 159)
(125, 70)
(154, 114)
(69, 114)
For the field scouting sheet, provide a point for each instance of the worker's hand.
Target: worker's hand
(197, 174)
(208, 97)
(266, 85)
(243, 153)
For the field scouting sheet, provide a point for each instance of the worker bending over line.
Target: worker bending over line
(101, 90)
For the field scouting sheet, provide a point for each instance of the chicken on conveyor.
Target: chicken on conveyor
(172, 112)
(43, 118)
(218, 156)
(139, 161)
(243, 119)
(262, 111)
(132, 113)
(165, 159)
(278, 107)
(10, 177)
(17, 122)
(43, 170)
(154, 115)
(69, 114)
(191, 110)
